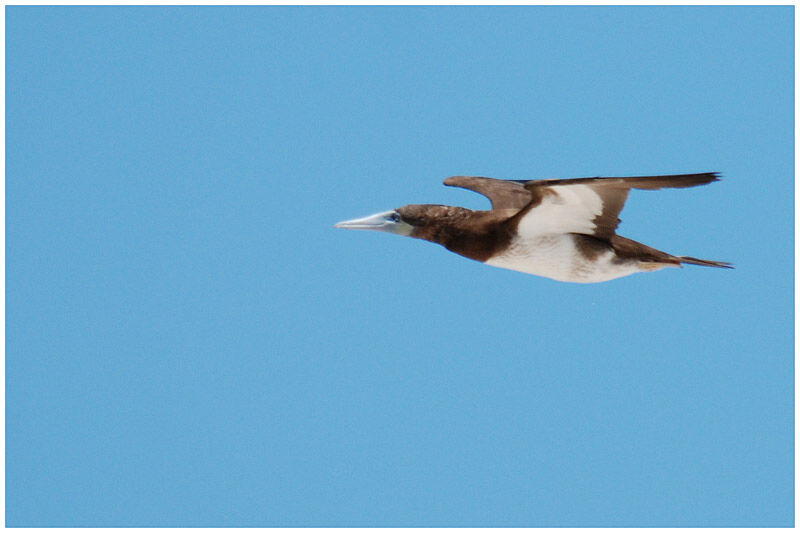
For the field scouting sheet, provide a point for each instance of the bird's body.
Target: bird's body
(559, 229)
(560, 257)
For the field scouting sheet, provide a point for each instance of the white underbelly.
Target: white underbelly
(557, 257)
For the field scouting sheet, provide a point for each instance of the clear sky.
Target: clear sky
(191, 343)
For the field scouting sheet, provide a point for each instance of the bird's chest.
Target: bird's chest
(476, 243)
(558, 257)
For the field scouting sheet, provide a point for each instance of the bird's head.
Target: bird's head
(473, 234)
(407, 220)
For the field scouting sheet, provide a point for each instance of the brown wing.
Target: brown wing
(592, 205)
(504, 194)
(673, 181)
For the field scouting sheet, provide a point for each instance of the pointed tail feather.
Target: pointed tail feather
(704, 262)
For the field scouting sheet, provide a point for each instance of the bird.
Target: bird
(562, 229)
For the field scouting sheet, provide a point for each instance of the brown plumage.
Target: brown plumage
(563, 229)
(474, 234)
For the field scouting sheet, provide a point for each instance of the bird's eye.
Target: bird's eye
(394, 217)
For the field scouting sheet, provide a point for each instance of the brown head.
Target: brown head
(474, 234)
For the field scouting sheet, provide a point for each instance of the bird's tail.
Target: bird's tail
(704, 262)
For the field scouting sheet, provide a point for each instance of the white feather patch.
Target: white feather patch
(569, 209)
(556, 257)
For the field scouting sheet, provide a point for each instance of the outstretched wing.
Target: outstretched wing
(504, 194)
(590, 206)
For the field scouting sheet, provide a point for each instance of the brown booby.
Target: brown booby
(564, 229)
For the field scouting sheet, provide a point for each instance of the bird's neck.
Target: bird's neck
(474, 234)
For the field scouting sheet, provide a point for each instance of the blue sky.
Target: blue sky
(189, 342)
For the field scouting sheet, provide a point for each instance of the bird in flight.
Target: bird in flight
(563, 229)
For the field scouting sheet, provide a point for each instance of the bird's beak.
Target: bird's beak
(389, 221)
